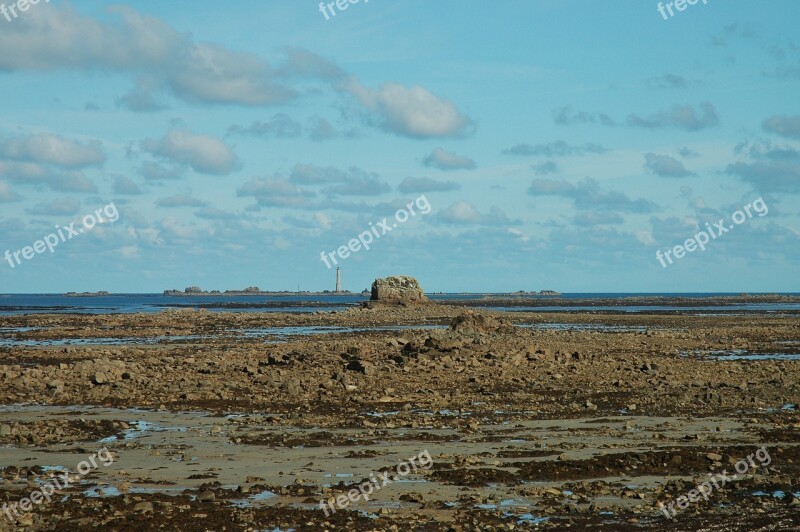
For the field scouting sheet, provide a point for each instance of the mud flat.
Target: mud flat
(533, 420)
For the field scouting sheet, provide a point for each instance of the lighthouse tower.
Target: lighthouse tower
(338, 281)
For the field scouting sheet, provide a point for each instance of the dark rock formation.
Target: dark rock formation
(399, 289)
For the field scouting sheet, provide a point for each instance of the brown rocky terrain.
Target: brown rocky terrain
(245, 421)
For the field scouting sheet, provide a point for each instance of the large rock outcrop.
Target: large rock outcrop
(471, 323)
(399, 289)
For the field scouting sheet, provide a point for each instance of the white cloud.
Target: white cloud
(154, 171)
(311, 174)
(57, 207)
(176, 230)
(45, 148)
(645, 237)
(6, 194)
(37, 174)
(159, 58)
(323, 221)
(125, 186)
(280, 125)
(678, 116)
(275, 192)
(589, 195)
(410, 111)
(354, 181)
(366, 185)
(665, 166)
(180, 200)
(463, 213)
(784, 125)
(556, 148)
(593, 218)
(446, 160)
(203, 153)
(150, 236)
(426, 184)
(129, 252)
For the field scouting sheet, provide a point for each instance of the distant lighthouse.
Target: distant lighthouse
(338, 281)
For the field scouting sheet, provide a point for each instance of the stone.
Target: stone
(413, 497)
(398, 289)
(206, 496)
(359, 366)
(143, 507)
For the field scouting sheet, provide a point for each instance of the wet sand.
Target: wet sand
(246, 421)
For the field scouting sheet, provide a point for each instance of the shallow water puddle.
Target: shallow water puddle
(741, 354)
(139, 429)
(778, 494)
(253, 499)
(12, 330)
(58, 342)
(280, 333)
(599, 327)
(108, 490)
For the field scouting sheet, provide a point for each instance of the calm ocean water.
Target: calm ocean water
(131, 303)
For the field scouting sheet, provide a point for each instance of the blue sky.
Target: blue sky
(560, 144)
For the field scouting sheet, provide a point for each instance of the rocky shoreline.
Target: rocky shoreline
(534, 420)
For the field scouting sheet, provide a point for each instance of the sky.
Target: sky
(562, 144)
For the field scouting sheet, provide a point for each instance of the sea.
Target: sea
(15, 304)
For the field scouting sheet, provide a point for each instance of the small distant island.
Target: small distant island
(88, 294)
(552, 293)
(249, 291)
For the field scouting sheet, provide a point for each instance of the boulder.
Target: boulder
(206, 496)
(398, 289)
(473, 323)
(143, 507)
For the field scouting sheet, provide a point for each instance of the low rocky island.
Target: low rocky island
(250, 291)
(551, 293)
